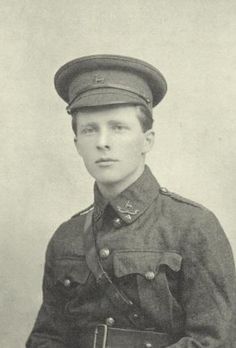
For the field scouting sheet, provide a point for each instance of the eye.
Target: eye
(119, 127)
(88, 130)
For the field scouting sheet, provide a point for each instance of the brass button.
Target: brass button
(104, 253)
(149, 275)
(67, 283)
(110, 321)
(68, 109)
(117, 222)
(148, 345)
(164, 190)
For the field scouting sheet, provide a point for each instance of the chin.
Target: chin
(108, 179)
(112, 176)
(105, 175)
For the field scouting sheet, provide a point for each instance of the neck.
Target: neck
(111, 190)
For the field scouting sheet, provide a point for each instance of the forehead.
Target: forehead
(123, 113)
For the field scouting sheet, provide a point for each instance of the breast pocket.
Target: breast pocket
(70, 276)
(147, 264)
(153, 270)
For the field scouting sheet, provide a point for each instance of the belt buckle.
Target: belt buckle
(100, 336)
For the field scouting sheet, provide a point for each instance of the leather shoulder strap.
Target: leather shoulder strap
(117, 297)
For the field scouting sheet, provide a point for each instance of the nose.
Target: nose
(103, 140)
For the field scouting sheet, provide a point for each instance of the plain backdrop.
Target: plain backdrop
(43, 181)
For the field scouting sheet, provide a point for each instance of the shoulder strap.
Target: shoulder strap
(88, 220)
(117, 297)
(164, 191)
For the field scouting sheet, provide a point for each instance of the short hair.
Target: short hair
(143, 113)
(145, 117)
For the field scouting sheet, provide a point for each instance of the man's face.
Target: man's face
(112, 143)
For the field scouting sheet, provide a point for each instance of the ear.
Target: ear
(149, 138)
(77, 145)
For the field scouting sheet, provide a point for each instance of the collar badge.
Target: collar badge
(128, 209)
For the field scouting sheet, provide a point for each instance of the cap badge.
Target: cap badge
(99, 79)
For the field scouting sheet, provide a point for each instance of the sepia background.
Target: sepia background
(43, 181)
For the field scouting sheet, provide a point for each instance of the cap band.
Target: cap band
(115, 86)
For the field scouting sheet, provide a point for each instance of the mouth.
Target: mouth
(106, 160)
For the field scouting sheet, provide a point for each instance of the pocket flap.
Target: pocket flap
(140, 262)
(75, 270)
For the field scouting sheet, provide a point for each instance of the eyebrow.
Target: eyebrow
(116, 122)
(95, 124)
(88, 124)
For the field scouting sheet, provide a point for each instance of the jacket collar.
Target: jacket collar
(133, 201)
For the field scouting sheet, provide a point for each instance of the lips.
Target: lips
(105, 160)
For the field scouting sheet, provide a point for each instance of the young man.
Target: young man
(141, 267)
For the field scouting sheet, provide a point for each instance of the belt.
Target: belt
(103, 336)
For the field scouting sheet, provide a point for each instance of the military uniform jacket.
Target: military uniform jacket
(169, 255)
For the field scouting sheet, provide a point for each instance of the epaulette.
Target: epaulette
(178, 198)
(84, 212)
